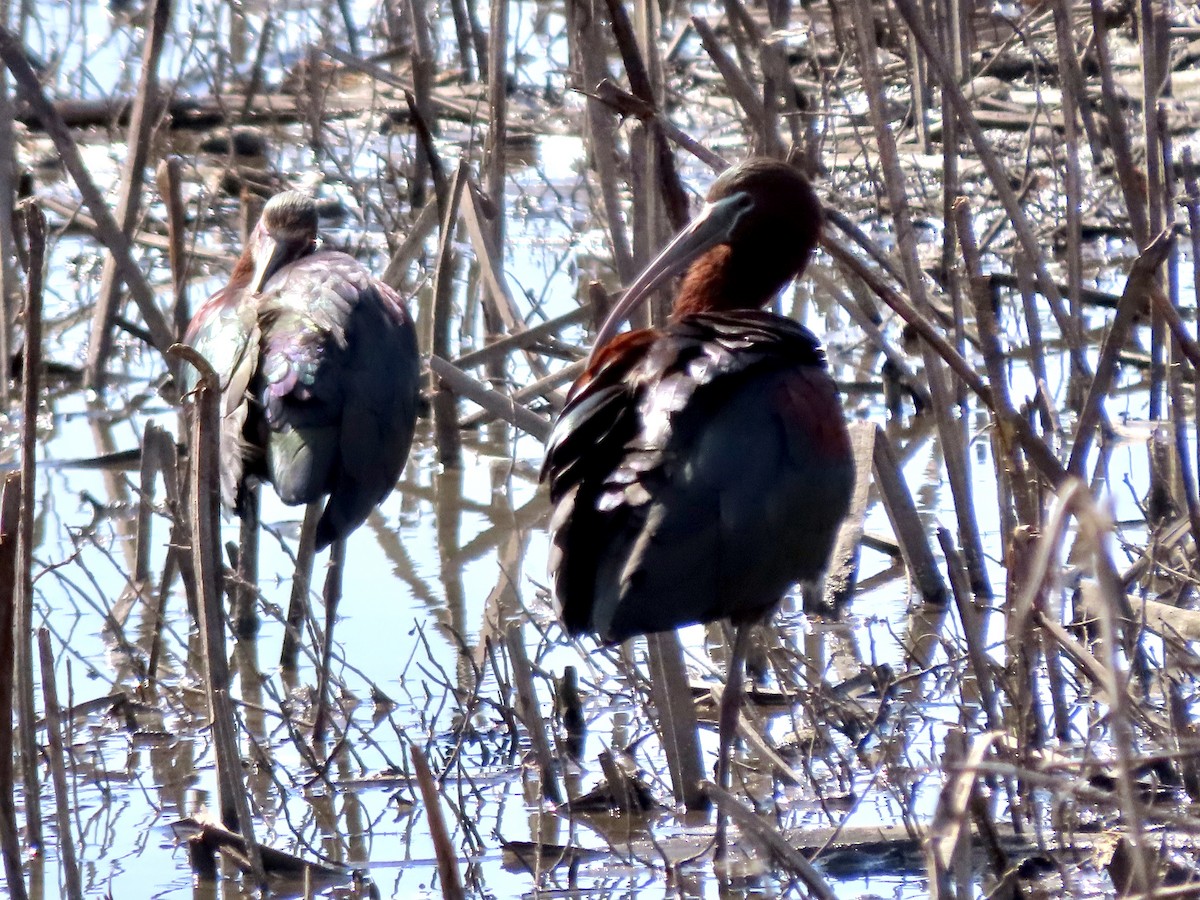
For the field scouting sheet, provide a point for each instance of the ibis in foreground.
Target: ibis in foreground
(701, 468)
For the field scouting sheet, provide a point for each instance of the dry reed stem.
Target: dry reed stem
(1015, 429)
(547, 387)
(1074, 501)
(447, 856)
(502, 406)
(588, 41)
(522, 339)
(34, 226)
(204, 503)
(529, 711)
(58, 768)
(445, 414)
(626, 104)
(949, 833)
(1010, 468)
(497, 100)
(10, 279)
(10, 835)
(169, 178)
(142, 122)
(738, 84)
(411, 247)
(678, 727)
(949, 430)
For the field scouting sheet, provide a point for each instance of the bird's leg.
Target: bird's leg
(332, 594)
(301, 580)
(245, 594)
(731, 704)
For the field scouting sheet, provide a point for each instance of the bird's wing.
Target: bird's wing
(717, 424)
(225, 332)
(338, 386)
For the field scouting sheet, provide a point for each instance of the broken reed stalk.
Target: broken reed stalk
(443, 847)
(170, 189)
(497, 95)
(1142, 284)
(950, 431)
(736, 82)
(910, 531)
(588, 43)
(948, 843)
(107, 230)
(424, 67)
(204, 515)
(677, 722)
(34, 226)
(160, 457)
(142, 122)
(1129, 175)
(974, 631)
(1192, 204)
(1073, 89)
(1094, 529)
(58, 767)
(10, 832)
(643, 67)
(445, 408)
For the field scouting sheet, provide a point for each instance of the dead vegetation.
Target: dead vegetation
(1005, 293)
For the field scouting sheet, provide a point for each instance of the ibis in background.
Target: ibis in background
(319, 372)
(700, 469)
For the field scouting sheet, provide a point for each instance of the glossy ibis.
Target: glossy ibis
(319, 373)
(701, 468)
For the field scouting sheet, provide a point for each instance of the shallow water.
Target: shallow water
(448, 552)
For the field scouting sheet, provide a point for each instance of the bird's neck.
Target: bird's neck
(715, 283)
(243, 271)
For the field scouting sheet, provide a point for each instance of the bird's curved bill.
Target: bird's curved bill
(269, 257)
(714, 225)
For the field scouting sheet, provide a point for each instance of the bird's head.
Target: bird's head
(286, 231)
(756, 233)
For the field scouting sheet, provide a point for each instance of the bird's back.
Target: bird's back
(702, 470)
(336, 388)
